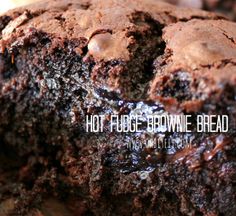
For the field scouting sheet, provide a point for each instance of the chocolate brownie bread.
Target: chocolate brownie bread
(64, 61)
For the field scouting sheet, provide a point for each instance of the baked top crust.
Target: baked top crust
(199, 42)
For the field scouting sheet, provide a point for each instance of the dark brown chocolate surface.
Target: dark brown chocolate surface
(63, 60)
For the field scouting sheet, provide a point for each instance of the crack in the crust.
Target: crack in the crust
(170, 16)
(202, 18)
(226, 35)
(219, 64)
(148, 72)
(174, 19)
(133, 79)
(229, 38)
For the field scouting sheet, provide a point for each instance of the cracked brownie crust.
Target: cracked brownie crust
(197, 70)
(63, 60)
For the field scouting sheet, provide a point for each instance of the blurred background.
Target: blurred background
(226, 7)
(10, 4)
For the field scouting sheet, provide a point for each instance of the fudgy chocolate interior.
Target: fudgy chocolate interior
(49, 84)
